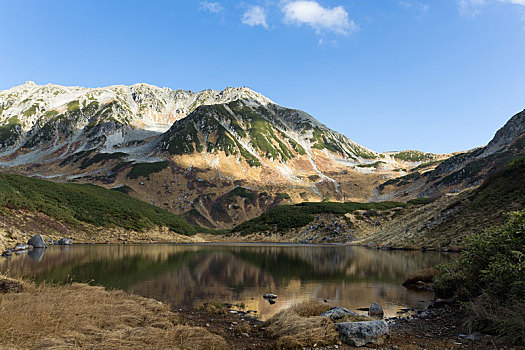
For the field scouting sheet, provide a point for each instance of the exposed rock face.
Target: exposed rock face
(338, 312)
(362, 333)
(513, 129)
(37, 241)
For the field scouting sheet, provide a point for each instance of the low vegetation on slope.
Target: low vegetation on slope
(490, 277)
(74, 203)
(501, 192)
(285, 217)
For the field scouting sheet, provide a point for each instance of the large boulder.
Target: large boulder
(375, 311)
(65, 241)
(37, 241)
(362, 333)
(338, 312)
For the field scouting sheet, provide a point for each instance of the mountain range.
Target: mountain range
(219, 157)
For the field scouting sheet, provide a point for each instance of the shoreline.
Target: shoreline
(438, 327)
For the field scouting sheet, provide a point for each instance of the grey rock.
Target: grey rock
(37, 241)
(65, 241)
(7, 253)
(22, 246)
(375, 310)
(362, 333)
(337, 313)
(269, 296)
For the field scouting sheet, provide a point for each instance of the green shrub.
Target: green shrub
(418, 201)
(146, 169)
(491, 275)
(285, 217)
(282, 195)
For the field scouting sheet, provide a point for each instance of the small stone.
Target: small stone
(65, 241)
(22, 246)
(246, 335)
(338, 312)
(7, 253)
(375, 310)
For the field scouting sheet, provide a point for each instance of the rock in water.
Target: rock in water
(337, 313)
(7, 253)
(362, 333)
(37, 241)
(375, 310)
(65, 241)
(22, 246)
(270, 296)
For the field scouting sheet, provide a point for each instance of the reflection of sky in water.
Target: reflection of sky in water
(184, 274)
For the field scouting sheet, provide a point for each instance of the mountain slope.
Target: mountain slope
(463, 170)
(188, 152)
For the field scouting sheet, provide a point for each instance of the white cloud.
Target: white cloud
(214, 7)
(472, 7)
(255, 16)
(320, 18)
(419, 8)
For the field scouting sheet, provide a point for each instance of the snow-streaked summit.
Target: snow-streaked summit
(144, 106)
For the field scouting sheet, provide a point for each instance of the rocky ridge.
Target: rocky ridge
(184, 151)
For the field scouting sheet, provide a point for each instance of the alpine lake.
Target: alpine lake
(240, 274)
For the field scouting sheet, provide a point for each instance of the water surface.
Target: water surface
(353, 277)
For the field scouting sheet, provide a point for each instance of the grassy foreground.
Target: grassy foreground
(78, 203)
(87, 317)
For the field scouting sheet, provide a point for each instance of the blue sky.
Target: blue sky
(439, 76)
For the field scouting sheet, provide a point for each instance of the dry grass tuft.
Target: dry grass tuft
(213, 307)
(351, 318)
(506, 321)
(310, 308)
(426, 275)
(294, 331)
(243, 327)
(87, 317)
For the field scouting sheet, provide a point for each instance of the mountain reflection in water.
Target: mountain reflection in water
(187, 274)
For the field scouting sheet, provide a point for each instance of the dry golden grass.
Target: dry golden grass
(426, 275)
(212, 307)
(87, 317)
(242, 327)
(351, 318)
(308, 308)
(294, 331)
